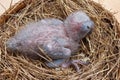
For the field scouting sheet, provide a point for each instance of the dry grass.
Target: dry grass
(102, 47)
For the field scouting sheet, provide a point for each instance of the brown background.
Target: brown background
(112, 5)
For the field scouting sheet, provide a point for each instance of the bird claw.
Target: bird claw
(75, 64)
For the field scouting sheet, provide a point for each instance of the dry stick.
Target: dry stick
(30, 64)
(12, 10)
(45, 58)
(43, 52)
(21, 16)
(11, 1)
(0, 55)
(111, 69)
(39, 55)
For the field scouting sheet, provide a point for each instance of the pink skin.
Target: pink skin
(58, 39)
(77, 26)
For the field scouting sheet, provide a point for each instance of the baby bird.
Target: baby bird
(58, 39)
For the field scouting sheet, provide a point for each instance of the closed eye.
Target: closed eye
(88, 27)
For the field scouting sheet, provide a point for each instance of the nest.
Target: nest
(102, 47)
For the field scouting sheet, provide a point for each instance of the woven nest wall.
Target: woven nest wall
(102, 47)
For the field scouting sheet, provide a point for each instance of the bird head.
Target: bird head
(78, 24)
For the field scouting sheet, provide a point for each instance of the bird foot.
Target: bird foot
(65, 64)
(75, 64)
